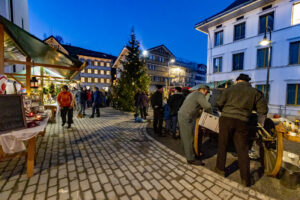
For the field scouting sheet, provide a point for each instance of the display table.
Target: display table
(13, 142)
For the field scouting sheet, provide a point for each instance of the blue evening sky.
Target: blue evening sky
(105, 25)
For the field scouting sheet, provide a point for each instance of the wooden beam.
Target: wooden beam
(12, 76)
(1, 49)
(54, 77)
(42, 84)
(40, 64)
(28, 76)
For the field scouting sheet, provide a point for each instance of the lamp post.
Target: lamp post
(264, 42)
(172, 60)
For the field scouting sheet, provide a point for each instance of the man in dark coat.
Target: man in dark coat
(83, 97)
(158, 111)
(98, 100)
(236, 105)
(175, 101)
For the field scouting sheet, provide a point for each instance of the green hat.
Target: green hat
(205, 87)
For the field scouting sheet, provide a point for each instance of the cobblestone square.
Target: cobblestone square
(108, 158)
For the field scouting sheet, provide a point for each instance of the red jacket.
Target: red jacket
(65, 99)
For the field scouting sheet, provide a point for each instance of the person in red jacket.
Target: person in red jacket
(65, 101)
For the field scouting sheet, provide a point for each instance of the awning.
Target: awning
(212, 84)
(19, 44)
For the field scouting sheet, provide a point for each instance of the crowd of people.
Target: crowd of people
(236, 106)
(79, 100)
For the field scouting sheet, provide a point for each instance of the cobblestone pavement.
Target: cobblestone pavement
(106, 158)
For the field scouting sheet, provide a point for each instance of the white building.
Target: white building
(15, 11)
(233, 47)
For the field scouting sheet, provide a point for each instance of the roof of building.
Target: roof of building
(162, 45)
(75, 51)
(236, 4)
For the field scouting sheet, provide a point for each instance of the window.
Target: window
(102, 80)
(262, 57)
(102, 64)
(90, 71)
(102, 71)
(95, 63)
(82, 79)
(293, 94)
(151, 67)
(296, 14)
(89, 80)
(265, 21)
(96, 80)
(218, 64)
(263, 89)
(294, 53)
(96, 71)
(107, 72)
(107, 80)
(107, 64)
(219, 38)
(238, 61)
(239, 31)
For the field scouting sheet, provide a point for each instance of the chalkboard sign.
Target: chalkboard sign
(12, 114)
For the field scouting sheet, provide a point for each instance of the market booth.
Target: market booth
(23, 117)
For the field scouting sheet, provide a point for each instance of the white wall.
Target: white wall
(281, 73)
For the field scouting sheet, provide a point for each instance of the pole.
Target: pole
(269, 65)
(1, 49)
(42, 84)
(28, 76)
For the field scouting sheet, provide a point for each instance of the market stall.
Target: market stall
(23, 117)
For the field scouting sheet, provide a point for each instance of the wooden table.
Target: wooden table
(31, 149)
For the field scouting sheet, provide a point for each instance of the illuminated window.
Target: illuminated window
(107, 80)
(102, 71)
(89, 80)
(102, 80)
(82, 71)
(107, 72)
(82, 79)
(95, 71)
(107, 64)
(96, 80)
(102, 64)
(90, 71)
(296, 14)
(95, 63)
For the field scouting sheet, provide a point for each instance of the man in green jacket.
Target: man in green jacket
(236, 105)
(187, 115)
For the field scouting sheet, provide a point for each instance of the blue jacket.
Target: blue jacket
(98, 98)
(167, 112)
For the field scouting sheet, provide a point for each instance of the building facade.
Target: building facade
(233, 47)
(15, 11)
(164, 68)
(98, 70)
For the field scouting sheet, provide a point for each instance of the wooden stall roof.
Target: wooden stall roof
(19, 44)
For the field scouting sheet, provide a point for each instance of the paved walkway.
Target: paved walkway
(106, 158)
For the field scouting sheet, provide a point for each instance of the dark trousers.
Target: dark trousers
(96, 109)
(64, 112)
(143, 112)
(230, 127)
(158, 120)
(174, 124)
(82, 108)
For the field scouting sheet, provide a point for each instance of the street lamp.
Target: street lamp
(264, 42)
(172, 60)
(145, 53)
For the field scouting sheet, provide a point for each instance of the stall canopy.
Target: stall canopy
(19, 45)
(212, 84)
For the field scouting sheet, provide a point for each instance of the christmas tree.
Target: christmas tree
(133, 78)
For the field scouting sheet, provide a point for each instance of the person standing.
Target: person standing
(158, 111)
(65, 101)
(136, 102)
(83, 101)
(142, 103)
(89, 100)
(236, 104)
(167, 116)
(190, 110)
(175, 102)
(97, 101)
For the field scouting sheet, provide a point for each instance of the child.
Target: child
(167, 116)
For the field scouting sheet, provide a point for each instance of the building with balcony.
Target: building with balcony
(164, 68)
(233, 47)
(97, 72)
(15, 11)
